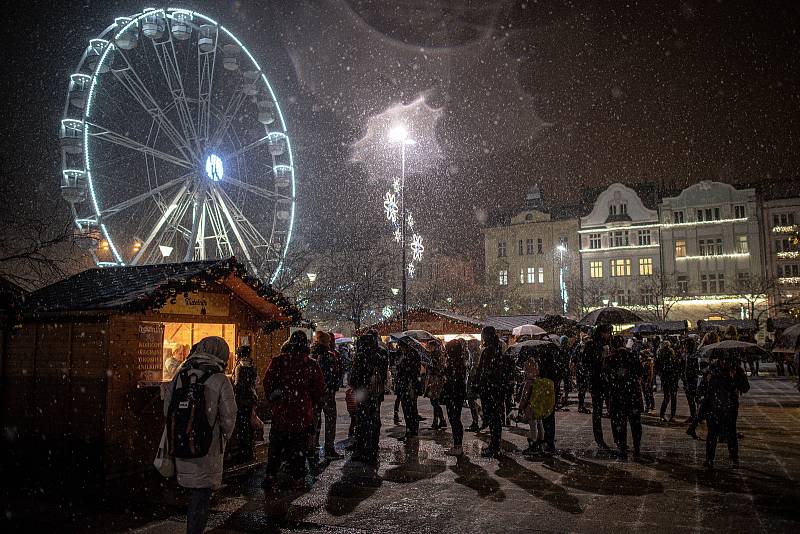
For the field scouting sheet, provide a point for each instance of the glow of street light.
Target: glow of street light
(398, 133)
(311, 277)
(395, 291)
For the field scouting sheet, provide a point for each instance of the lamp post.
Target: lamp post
(562, 283)
(399, 134)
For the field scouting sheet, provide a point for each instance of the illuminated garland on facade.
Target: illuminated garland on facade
(789, 254)
(784, 229)
(730, 255)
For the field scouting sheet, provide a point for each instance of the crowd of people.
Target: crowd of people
(533, 379)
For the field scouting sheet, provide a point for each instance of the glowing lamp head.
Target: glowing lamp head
(398, 133)
(214, 169)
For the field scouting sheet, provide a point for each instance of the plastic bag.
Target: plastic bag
(164, 463)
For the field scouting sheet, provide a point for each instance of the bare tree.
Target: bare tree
(351, 285)
(36, 241)
(659, 293)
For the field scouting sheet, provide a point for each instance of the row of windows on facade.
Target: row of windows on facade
(527, 247)
(785, 245)
(710, 284)
(620, 238)
(528, 275)
(621, 267)
(713, 246)
(783, 219)
(789, 271)
(708, 214)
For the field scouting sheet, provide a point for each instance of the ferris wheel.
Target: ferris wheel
(174, 147)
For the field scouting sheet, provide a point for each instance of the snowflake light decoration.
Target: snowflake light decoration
(387, 311)
(417, 248)
(410, 270)
(410, 221)
(398, 235)
(390, 206)
(396, 185)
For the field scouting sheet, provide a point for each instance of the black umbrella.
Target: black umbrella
(530, 346)
(789, 340)
(413, 344)
(730, 349)
(610, 315)
(419, 335)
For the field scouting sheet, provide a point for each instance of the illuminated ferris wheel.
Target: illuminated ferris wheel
(174, 147)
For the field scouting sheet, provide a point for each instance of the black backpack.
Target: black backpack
(188, 429)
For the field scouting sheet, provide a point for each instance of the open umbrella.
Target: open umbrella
(413, 344)
(528, 330)
(610, 315)
(532, 345)
(730, 349)
(420, 335)
(789, 340)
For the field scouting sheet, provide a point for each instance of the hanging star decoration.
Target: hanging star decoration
(410, 269)
(390, 207)
(417, 248)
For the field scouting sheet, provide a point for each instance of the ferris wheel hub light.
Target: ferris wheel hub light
(214, 169)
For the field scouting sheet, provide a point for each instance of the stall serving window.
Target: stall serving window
(180, 337)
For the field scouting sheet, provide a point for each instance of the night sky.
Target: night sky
(570, 95)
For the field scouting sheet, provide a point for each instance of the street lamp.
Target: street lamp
(399, 134)
(605, 302)
(312, 277)
(562, 283)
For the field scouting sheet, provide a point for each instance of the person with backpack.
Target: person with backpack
(454, 390)
(370, 370)
(244, 388)
(293, 384)
(494, 376)
(200, 409)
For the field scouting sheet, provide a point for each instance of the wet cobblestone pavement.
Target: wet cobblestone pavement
(417, 488)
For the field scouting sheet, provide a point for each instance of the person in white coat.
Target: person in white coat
(203, 475)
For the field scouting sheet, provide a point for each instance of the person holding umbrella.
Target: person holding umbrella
(726, 382)
(494, 374)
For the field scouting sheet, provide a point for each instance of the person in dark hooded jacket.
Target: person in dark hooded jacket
(455, 390)
(407, 385)
(627, 402)
(727, 380)
(669, 368)
(494, 374)
(293, 384)
(597, 352)
(370, 369)
(244, 387)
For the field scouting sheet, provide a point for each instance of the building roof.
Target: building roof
(143, 287)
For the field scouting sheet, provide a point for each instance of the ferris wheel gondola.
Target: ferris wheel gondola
(174, 147)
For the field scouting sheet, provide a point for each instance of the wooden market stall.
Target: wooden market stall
(86, 367)
(440, 323)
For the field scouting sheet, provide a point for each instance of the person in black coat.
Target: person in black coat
(370, 369)
(690, 375)
(627, 403)
(596, 354)
(407, 386)
(550, 368)
(726, 382)
(494, 375)
(245, 377)
(454, 390)
(669, 369)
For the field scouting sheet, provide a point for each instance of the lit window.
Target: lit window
(531, 275)
(596, 269)
(501, 249)
(645, 266)
(541, 275)
(621, 267)
(502, 277)
(595, 241)
(644, 237)
(680, 248)
(738, 212)
(529, 246)
(741, 244)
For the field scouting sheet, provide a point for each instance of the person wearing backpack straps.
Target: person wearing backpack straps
(196, 439)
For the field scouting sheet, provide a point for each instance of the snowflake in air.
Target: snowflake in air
(417, 248)
(390, 206)
(410, 270)
(410, 221)
(398, 234)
